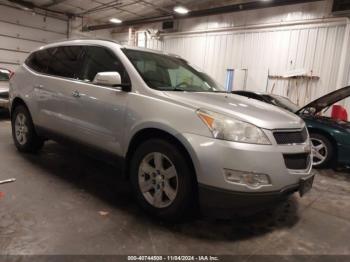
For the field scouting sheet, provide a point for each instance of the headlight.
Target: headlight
(226, 128)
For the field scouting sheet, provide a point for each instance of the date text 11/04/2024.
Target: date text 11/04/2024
(173, 258)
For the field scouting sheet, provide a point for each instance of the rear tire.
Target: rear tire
(23, 132)
(323, 151)
(162, 180)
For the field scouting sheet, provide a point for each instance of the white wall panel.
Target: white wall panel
(247, 40)
(14, 44)
(21, 32)
(15, 30)
(316, 48)
(28, 19)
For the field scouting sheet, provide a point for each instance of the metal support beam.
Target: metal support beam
(54, 2)
(203, 12)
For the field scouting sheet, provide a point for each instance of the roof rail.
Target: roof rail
(83, 38)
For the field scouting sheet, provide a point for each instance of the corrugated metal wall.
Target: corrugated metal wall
(21, 32)
(314, 48)
(216, 43)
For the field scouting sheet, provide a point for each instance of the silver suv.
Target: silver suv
(183, 140)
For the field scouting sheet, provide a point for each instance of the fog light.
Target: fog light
(249, 179)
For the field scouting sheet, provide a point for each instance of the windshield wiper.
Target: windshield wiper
(224, 92)
(170, 88)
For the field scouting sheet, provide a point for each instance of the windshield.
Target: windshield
(163, 72)
(282, 102)
(4, 75)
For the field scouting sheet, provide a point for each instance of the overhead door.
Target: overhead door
(23, 31)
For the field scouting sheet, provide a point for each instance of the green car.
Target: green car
(330, 138)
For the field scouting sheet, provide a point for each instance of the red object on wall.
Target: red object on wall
(339, 113)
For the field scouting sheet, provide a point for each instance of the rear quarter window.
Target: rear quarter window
(40, 60)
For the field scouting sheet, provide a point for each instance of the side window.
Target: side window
(40, 60)
(99, 59)
(67, 62)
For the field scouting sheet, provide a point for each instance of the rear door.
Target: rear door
(96, 113)
(59, 70)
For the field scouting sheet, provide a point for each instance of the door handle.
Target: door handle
(75, 93)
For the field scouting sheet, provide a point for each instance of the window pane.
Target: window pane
(164, 72)
(39, 61)
(99, 59)
(66, 62)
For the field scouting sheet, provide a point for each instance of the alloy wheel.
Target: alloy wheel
(158, 180)
(21, 129)
(319, 151)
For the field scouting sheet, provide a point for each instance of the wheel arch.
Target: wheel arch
(153, 133)
(16, 102)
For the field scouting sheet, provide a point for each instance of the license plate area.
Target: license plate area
(305, 185)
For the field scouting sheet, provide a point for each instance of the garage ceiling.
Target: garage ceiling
(103, 10)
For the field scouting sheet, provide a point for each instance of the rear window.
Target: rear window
(76, 62)
(40, 60)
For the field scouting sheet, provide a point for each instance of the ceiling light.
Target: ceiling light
(115, 21)
(181, 10)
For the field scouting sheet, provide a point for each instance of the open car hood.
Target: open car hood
(327, 100)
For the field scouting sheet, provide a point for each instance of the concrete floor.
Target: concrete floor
(54, 208)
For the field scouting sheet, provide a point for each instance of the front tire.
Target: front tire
(322, 149)
(23, 132)
(162, 180)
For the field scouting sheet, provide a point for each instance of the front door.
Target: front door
(96, 113)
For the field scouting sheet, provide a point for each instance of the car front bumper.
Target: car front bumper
(225, 204)
(211, 157)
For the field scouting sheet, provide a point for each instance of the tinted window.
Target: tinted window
(99, 59)
(40, 60)
(66, 62)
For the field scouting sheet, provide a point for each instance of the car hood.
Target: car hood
(252, 111)
(327, 100)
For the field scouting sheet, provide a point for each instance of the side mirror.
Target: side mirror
(111, 79)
